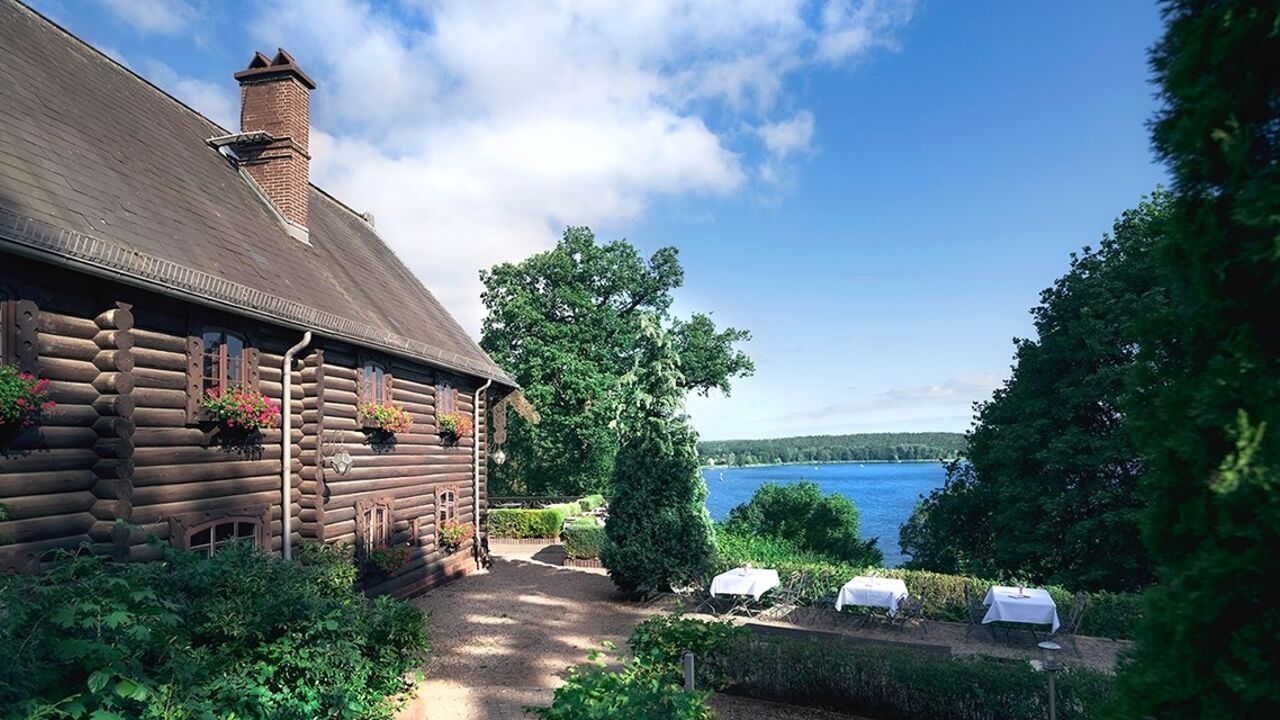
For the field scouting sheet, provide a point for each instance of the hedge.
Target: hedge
(1110, 615)
(591, 502)
(866, 680)
(543, 523)
(584, 539)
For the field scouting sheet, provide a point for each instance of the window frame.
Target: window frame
(446, 397)
(250, 364)
(365, 392)
(367, 510)
(183, 527)
(447, 509)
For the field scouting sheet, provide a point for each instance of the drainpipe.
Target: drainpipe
(475, 469)
(286, 453)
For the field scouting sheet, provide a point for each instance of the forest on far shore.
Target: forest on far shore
(859, 447)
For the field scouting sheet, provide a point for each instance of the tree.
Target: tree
(1207, 416)
(1049, 487)
(800, 514)
(659, 533)
(566, 323)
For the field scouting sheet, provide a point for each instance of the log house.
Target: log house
(146, 255)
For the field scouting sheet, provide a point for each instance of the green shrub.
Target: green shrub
(238, 635)
(1111, 615)
(661, 641)
(634, 692)
(800, 514)
(591, 502)
(544, 523)
(584, 539)
(875, 681)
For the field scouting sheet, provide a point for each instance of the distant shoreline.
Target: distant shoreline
(829, 462)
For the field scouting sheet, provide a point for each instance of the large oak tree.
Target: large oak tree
(567, 324)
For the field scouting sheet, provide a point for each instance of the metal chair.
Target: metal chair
(911, 609)
(789, 598)
(977, 610)
(1070, 627)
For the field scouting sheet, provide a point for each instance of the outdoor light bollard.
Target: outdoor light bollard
(687, 660)
(1049, 661)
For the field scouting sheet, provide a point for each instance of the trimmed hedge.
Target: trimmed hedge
(584, 539)
(1110, 615)
(543, 523)
(866, 680)
(591, 502)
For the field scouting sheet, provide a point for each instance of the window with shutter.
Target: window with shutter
(446, 398)
(374, 523)
(218, 359)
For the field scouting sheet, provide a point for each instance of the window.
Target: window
(217, 359)
(212, 536)
(446, 398)
(223, 361)
(374, 523)
(447, 504)
(373, 383)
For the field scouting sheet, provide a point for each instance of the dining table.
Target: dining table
(1030, 606)
(752, 582)
(872, 592)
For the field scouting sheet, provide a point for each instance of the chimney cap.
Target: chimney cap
(262, 68)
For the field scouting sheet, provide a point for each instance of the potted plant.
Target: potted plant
(23, 397)
(241, 409)
(455, 534)
(385, 417)
(388, 559)
(453, 426)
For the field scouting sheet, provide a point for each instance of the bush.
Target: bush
(801, 515)
(1112, 615)
(591, 502)
(584, 539)
(876, 681)
(544, 523)
(240, 634)
(635, 692)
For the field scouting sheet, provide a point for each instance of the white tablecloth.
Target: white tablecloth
(873, 592)
(1035, 609)
(753, 581)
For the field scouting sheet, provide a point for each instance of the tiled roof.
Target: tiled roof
(91, 153)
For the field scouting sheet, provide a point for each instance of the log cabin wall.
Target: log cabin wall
(120, 445)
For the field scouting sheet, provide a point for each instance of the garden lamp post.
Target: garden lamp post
(1049, 662)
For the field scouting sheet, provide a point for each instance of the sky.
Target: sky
(877, 190)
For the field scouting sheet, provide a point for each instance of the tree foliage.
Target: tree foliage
(801, 515)
(1208, 417)
(858, 447)
(567, 324)
(1049, 487)
(658, 533)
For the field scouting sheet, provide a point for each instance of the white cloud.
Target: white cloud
(852, 27)
(217, 101)
(162, 17)
(475, 131)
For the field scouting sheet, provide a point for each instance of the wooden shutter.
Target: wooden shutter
(21, 344)
(252, 357)
(388, 387)
(195, 365)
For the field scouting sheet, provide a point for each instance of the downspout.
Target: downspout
(286, 452)
(475, 469)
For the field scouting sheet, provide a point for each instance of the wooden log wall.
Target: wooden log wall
(119, 446)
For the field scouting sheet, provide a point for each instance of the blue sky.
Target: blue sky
(877, 190)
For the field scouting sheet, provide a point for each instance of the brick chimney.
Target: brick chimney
(275, 99)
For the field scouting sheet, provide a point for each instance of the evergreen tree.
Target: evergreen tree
(1208, 419)
(659, 533)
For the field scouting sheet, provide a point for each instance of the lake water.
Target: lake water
(885, 493)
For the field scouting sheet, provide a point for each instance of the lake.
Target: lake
(885, 493)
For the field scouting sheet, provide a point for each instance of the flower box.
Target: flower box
(453, 426)
(23, 397)
(241, 409)
(385, 417)
(453, 535)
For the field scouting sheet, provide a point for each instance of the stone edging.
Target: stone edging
(583, 562)
(523, 541)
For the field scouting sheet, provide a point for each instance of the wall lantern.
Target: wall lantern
(341, 461)
(499, 456)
